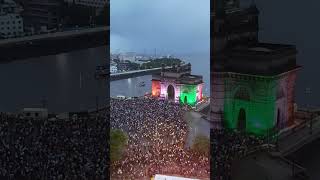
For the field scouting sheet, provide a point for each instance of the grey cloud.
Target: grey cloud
(175, 26)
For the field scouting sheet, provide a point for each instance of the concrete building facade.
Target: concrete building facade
(11, 22)
(90, 3)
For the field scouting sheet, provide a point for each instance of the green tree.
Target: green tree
(201, 144)
(158, 62)
(118, 142)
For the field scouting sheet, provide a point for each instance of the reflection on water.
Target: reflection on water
(55, 78)
(130, 87)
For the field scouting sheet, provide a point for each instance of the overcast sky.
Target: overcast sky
(170, 26)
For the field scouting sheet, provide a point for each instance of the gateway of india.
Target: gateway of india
(252, 83)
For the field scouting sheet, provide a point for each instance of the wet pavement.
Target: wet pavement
(197, 126)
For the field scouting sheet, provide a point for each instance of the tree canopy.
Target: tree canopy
(118, 142)
(156, 63)
(201, 144)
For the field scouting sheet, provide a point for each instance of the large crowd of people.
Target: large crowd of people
(77, 148)
(53, 149)
(226, 146)
(157, 135)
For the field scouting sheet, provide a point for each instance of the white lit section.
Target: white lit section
(164, 177)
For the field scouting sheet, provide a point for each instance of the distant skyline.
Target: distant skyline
(172, 27)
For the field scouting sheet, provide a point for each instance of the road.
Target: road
(53, 35)
(197, 126)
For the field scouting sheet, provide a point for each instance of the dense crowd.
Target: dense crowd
(226, 146)
(53, 149)
(157, 134)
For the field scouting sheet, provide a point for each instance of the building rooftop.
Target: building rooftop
(263, 48)
(237, 11)
(181, 74)
(258, 59)
(184, 79)
(190, 79)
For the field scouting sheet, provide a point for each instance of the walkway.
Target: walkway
(265, 165)
(62, 34)
(135, 73)
(293, 139)
(197, 126)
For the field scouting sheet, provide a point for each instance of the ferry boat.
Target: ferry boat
(121, 97)
(142, 84)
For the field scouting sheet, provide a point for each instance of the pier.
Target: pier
(132, 74)
(102, 73)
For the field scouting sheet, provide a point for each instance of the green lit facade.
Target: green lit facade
(254, 97)
(188, 94)
(257, 104)
(252, 83)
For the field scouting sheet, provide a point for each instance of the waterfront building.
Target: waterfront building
(252, 83)
(97, 5)
(35, 113)
(11, 23)
(178, 85)
(129, 56)
(90, 3)
(123, 66)
(41, 15)
(113, 69)
(113, 63)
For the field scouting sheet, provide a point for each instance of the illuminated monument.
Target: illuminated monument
(252, 83)
(178, 85)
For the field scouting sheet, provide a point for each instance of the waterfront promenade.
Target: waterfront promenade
(271, 161)
(52, 43)
(135, 73)
(131, 74)
(62, 34)
(296, 137)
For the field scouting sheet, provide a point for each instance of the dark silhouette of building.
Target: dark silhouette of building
(45, 14)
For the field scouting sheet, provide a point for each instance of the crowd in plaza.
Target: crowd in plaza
(157, 135)
(53, 149)
(226, 146)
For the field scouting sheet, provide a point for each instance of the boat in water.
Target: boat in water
(142, 84)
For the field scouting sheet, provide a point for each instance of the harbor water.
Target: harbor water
(62, 83)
